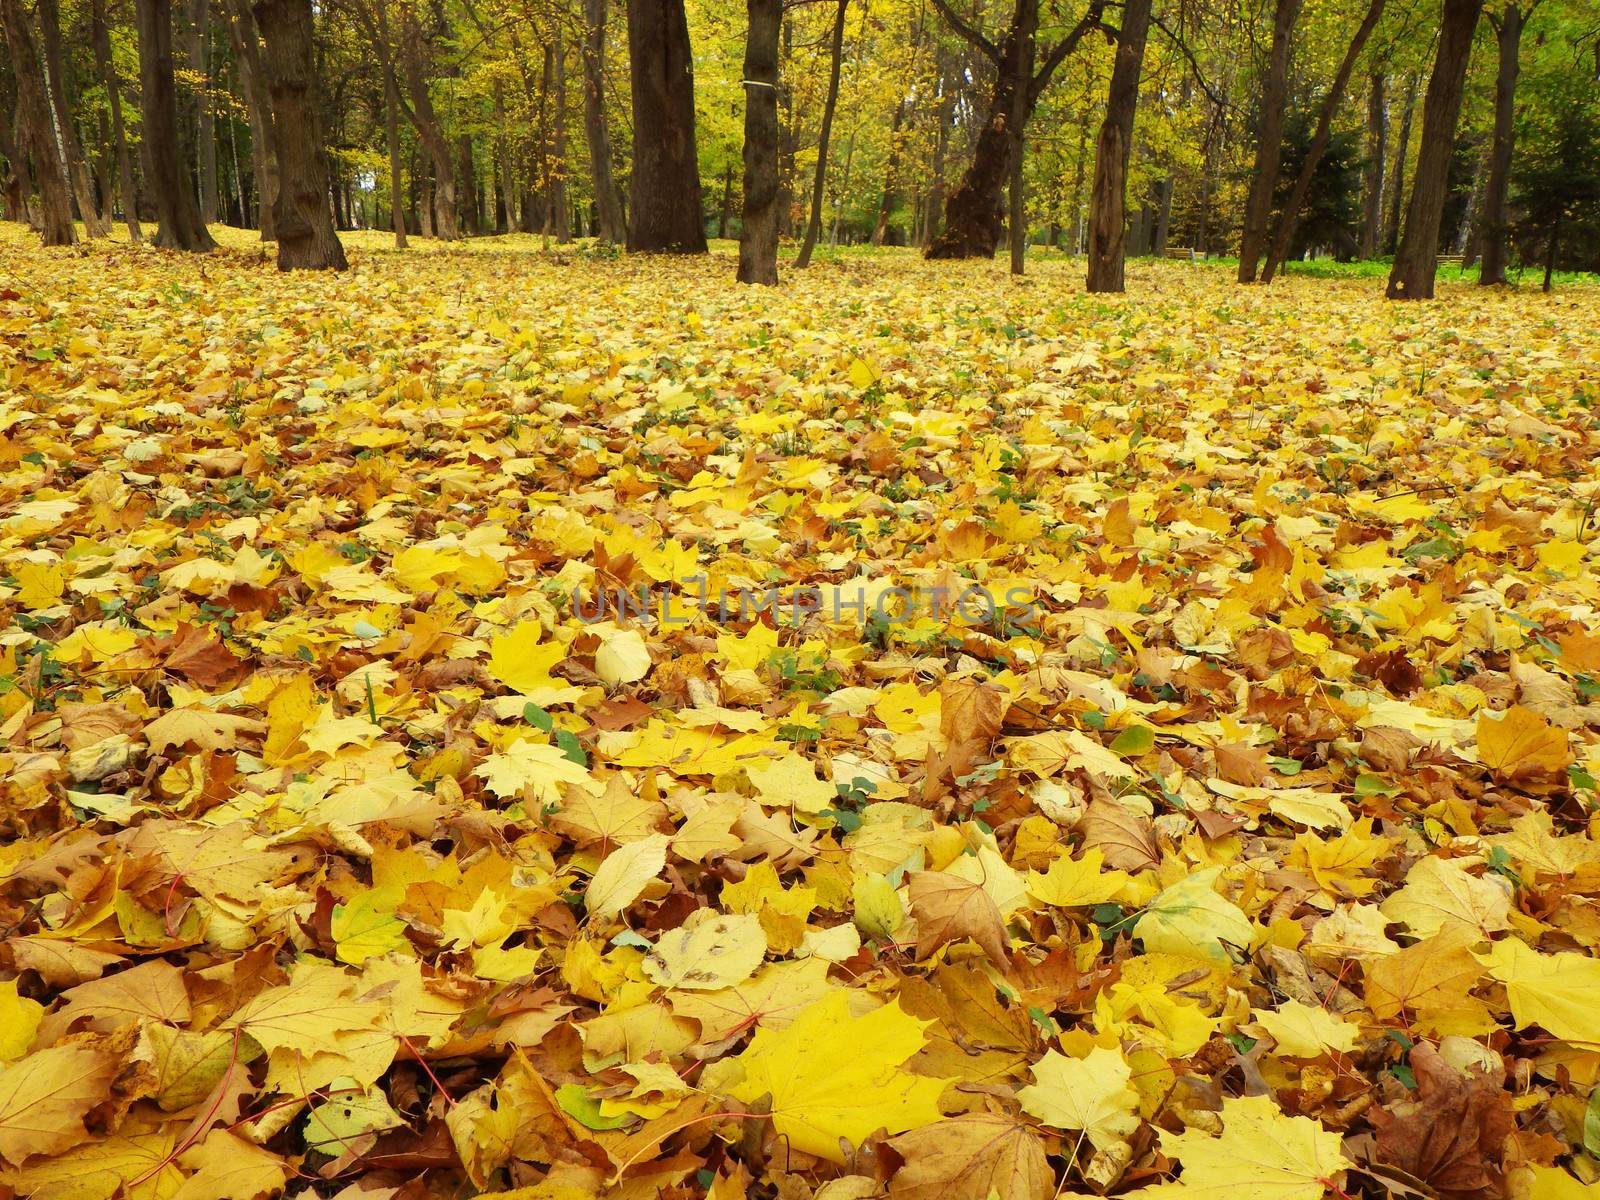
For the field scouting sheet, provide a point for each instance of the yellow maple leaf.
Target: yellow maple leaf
(1091, 1094)
(1261, 1153)
(835, 1078)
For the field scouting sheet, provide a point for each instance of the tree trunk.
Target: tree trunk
(944, 113)
(608, 204)
(177, 214)
(100, 35)
(467, 183)
(1392, 234)
(664, 212)
(558, 169)
(1417, 259)
(820, 178)
(1269, 141)
(205, 125)
(1158, 243)
(1283, 239)
(758, 237)
(33, 108)
(391, 134)
(1016, 121)
(62, 127)
(725, 209)
(306, 239)
(422, 116)
(1109, 199)
(1492, 236)
(891, 166)
(1550, 252)
(973, 215)
(1372, 174)
(246, 42)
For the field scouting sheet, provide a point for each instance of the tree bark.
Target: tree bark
(1283, 239)
(177, 214)
(100, 35)
(306, 238)
(1372, 174)
(246, 42)
(467, 183)
(664, 212)
(391, 124)
(891, 168)
(15, 185)
(1108, 200)
(1396, 203)
(758, 238)
(33, 108)
(558, 168)
(1492, 235)
(205, 119)
(421, 114)
(820, 178)
(1269, 141)
(1016, 122)
(62, 126)
(608, 203)
(1417, 259)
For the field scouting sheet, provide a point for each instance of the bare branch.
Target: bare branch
(978, 42)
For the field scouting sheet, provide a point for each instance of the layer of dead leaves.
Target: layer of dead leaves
(1243, 846)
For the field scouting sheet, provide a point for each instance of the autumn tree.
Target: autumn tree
(36, 125)
(302, 218)
(1494, 223)
(1417, 259)
(1269, 140)
(664, 212)
(973, 215)
(758, 240)
(177, 213)
(1108, 205)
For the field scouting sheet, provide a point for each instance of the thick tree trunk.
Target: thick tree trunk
(1109, 198)
(1158, 242)
(973, 215)
(944, 113)
(65, 132)
(205, 119)
(608, 203)
(1021, 66)
(33, 109)
(1269, 141)
(177, 214)
(558, 164)
(1372, 174)
(467, 182)
(1492, 236)
(391, 138)
(100, 35)
(422, 116)
(1417, 259)
(1283, 239)
(820, 179)
(1396, 201)
(306, 239)
(13, 188)
(246, 42)
(758, 238)
(891, 168)
(664, 212)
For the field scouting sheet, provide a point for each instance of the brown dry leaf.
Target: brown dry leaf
(974, 1157)
(1126, 841)
(949, 909)
(1451, 1132)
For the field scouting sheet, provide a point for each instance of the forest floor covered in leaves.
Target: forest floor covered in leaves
(1234, 836)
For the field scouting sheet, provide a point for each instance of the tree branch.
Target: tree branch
(978, 42)
(1193, 65)
(1062, 49)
